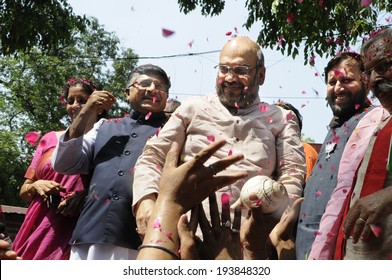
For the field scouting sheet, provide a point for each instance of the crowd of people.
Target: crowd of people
(165, 182)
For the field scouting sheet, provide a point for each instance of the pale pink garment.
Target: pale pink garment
(324, 245)
(45, 235)
(268, 136)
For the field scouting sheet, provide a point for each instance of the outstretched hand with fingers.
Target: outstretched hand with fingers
(221, 239)
(191, 182)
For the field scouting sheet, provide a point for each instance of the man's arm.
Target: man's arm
(74, 156)
(291, 164)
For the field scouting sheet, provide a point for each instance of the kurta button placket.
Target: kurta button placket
(133, 135)
(120, 173)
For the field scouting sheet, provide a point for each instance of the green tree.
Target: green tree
(30, 88)
(25, 24)
(323, 27)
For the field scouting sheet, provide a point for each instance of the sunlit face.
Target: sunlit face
(147, 94)
(378, 71)
(345, 90)
(236, 89)
(76, 99)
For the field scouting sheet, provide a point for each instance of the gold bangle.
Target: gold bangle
(28, 189)
(157, 246)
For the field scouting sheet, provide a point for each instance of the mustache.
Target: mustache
(383, 86)
(231, 84)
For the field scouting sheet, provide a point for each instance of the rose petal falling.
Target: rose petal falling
(32, 137)
(167, 32)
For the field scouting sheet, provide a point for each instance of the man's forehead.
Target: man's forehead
(150, 77)
(345, 67)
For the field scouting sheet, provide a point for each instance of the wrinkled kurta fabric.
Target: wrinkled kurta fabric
(268, 137)
(324, 245)
(322, 181)
(372, 177)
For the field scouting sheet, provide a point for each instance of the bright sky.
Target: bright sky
(139, 25)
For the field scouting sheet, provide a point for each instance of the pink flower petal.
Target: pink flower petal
(158, 130)
(260, 171)
(289, 116)
(148, 115)
(225, 198)
(156, 224)
(316, 232)
(167, 32)
(190, 44)
(230, 152)
(32, 137)
(357, 106)
(236, 105)
(366, 3)
(320, 166)
(228, 33)
(318, 193)
(270, 120)
(376, 230)
(211, 138)
(290, 18)
(263, 108)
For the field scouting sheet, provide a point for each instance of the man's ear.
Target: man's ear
(261, 75)
(126, 91)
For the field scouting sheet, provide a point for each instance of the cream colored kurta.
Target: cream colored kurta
(267, 135)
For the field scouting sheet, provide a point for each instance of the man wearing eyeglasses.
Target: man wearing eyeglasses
(106, 228)
(366, 228)
(267, 135)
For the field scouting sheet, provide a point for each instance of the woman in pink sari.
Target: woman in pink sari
(55, 199)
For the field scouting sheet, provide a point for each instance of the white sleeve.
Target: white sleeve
(75, 155)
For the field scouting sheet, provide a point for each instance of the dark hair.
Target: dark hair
(88, 86)
(288, 106)
(341, 57)
(151, 70)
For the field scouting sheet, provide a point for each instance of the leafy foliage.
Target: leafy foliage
(322, 27)
(30, 87)
(25, 24)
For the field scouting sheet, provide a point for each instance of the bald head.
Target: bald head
(243, 47)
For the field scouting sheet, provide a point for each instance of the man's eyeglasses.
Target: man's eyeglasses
(240, 70)
(145, 84)
(381, 67)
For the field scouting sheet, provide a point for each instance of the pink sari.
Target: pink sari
(45, 235)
